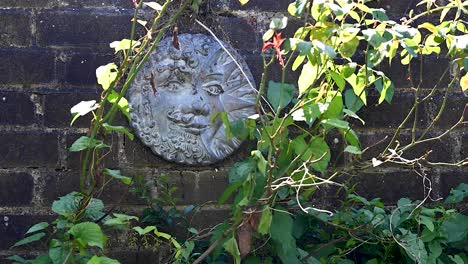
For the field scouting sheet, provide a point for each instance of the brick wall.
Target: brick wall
(49, 50)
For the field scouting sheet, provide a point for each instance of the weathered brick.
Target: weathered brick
(444, 150)
(139, 155)
(26, 3)
(258, 5)
(94, 28)
(16, 188)
(28, 149)
(453, 111)
(13, 227)
(432, 67)
(65, 3)
(451, 179)
(58, 184)
(78, 67)
(16, 108)
(391, 115)
(239, 33)
(15, 28)
(57, 107)
(390, 186)
(203, 186)
(26, 66)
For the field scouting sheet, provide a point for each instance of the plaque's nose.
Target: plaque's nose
(200, 108)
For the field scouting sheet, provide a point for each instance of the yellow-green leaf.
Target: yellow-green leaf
(243, 2)
(464, 83)
(106, 74)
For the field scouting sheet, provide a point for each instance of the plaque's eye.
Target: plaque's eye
(213, 89)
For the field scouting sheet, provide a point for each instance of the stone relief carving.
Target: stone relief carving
(174, 98)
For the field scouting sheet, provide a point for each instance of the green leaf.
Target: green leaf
(126, 44)
(123, 104)
(143, 231)
(17, 259)
(67, 205)
(427, 221)
(88, 234)
(373, 37)
(336, 123)
(458, 194)
(229, 191)
(268, 35)
(353, 150)
(353, 115)
(38, 227)
(386, 89)
(348, 48)
(116, 174)
(281, 235)
(265, 222)
(241, 170)
(324, 48)
(106, 75)
(338, 79)
(457, 259)
(243, 2)
(352, 102)
(279, 23)
(102, 260)
(261, 162)
(318, 148)
(153, 5)
(29, 239)
(83, 142)
(280, 95)
(232, 247)
(456, 228)
(308, 77)
(118, 129)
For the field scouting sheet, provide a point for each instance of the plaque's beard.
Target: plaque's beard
(180, 145)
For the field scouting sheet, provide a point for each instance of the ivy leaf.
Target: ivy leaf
(38, 227)
(265, 222)
(123, 104)
(280, 95)
(318, 148)
(279, 23)
(458, 194)
(353, 150)
(83, 142)
(243, 2)
(29, 239)
(102, 260)
(153, 5)
(88, 234)
(232, 247)
(117, 175)
(124, 44)
(118, 129)
(308, 77)
(106, 74)
(144, 231)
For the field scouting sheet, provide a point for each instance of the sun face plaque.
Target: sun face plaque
(176, 95)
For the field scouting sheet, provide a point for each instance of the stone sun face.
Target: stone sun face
(175, 98)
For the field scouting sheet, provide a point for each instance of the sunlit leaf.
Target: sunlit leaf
(106, 75)
(124, 44)
(88, 234)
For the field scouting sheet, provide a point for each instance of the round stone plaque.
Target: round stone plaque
(175, 98)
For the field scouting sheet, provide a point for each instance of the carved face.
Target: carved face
(175, 97)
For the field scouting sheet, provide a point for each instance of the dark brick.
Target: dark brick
(443, 150)
(13, 228)
(274, 72)
(15, 28)
(28, 149)
(139, 155)
(58, 184)
(66, 3)
(260, 5)
(27, 3)
(16, 189)
(94, 28)
(239, 33)
(453, 111)
(451, 179)
(16, 108)
(111, 159)
(78, 67)
(204, 186)
(390, 186)
(433, 69)
(209, 218)
(57, 108)
(391, 115)
(26, 66)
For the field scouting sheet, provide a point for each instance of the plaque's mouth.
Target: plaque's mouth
(191, 123)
